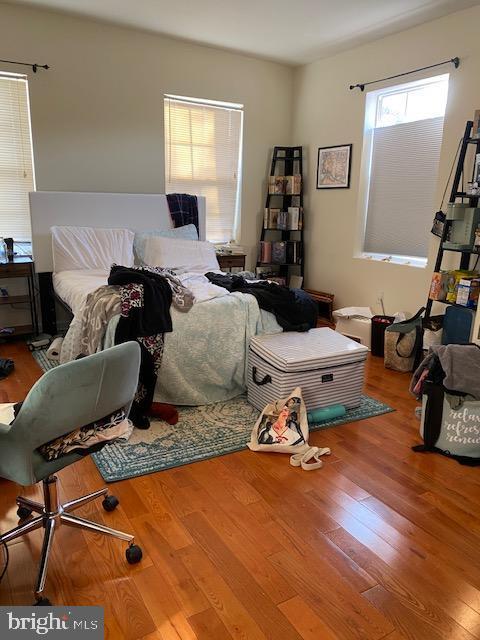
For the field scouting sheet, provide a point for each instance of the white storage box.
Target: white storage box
(359, 329)
(327, 366)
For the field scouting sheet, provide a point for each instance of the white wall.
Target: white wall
(97, 114)
(327, 113)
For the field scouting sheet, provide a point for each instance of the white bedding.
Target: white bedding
(74, 286)
(204, 360)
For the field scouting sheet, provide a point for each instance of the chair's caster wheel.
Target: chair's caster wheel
(23, 513)
(110, 503)
(133, 554)
(43, 602)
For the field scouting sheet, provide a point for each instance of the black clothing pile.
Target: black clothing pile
(6, 367)
(146, 297)
(293, 309)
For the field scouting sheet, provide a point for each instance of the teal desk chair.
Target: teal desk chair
(64, 399)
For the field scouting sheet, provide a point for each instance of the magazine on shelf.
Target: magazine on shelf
(279, 252)
(276, 184)
(293, 184)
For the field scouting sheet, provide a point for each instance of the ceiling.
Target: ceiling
(291, 31)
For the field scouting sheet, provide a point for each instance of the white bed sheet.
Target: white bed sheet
(74, 286)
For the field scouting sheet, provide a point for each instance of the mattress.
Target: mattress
(327, 366)
(73, 286)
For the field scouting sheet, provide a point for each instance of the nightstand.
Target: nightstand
(231, 261)
(325, 307)
(20, 267)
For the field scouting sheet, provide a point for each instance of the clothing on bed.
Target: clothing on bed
(293, 309)
(100, 307)
(183, 209)
(204, 360)
(145, 297)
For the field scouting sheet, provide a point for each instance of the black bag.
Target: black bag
(6, 367)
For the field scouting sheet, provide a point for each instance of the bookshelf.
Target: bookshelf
(281, 247)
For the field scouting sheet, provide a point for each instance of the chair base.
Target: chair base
(53, 514)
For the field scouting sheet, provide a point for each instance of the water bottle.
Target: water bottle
(326, 413)
(3, 251)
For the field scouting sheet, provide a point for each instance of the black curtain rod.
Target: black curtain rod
(34, 65)
(362, 85)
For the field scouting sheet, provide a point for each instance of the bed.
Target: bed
(204, 360)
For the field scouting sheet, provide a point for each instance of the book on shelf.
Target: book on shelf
(271, 218)
(275, 218)
(288, 185)
(266, 217)
(265, 251)
(293, 184)
(293, 218)
(276, 184)
(279, 250)
(291, 252)
(282, 221)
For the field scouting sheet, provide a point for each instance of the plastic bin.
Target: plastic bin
(379, 324)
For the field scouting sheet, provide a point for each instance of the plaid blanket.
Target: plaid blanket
(183, 209)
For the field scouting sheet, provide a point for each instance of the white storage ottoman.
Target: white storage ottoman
(327, 366)
(359, 329)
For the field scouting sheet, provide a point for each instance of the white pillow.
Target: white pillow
(89, 248)
(181, 255)
(187, 232)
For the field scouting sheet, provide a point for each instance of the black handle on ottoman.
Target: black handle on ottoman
(265, 380)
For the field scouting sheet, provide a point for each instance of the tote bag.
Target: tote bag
(403, 342)
(282, 426)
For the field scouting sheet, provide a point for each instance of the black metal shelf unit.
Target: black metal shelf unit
(286, 161)
(454, 194)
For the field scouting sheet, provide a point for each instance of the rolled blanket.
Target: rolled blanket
(53, 351)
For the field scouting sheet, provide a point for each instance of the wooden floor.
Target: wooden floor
(380, 543)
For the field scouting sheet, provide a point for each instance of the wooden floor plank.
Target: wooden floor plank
(410, 625)
(414, 590)
(255, 600)
(208, 626)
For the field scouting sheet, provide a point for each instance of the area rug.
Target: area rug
(201, 433)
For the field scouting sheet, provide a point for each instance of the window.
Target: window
(203, 142)
(16, 158)
(403, 137)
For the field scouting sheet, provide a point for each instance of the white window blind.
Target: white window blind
(203, 157)
(403, 138)
(16, 160)
(403, 176)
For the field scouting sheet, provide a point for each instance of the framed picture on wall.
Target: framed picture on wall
(333, 167)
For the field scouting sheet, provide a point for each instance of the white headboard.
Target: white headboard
(135, 211)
